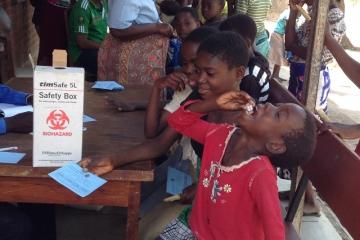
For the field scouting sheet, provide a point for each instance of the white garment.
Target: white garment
(185, 142)
(124, 13)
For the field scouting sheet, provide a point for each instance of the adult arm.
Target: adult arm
(345, 131)
(123, 24)
(21, 123)
(142, 30)
(11, 96)
(350, 67)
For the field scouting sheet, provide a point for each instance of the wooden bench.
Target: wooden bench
(335, 172)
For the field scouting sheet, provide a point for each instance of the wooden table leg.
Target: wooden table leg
(132, 225)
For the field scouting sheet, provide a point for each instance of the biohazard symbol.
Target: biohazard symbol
(57, 120)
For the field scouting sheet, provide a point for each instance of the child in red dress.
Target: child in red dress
(237, 194)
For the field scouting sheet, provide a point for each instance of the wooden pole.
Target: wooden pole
(314, 53)
(312, 73)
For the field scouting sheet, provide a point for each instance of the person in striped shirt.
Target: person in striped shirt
(88, 28)
(257, 10)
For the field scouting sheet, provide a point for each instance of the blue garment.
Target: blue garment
(281, 22)
(173, 56)
(296, 84)
(123, 14)
(262, 44)
(11, 96)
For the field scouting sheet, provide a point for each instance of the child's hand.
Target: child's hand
(176, 81)
(235, 100)
(188, 194)
(98, 166)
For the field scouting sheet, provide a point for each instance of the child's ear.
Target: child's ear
(240, 72)
(276, 147)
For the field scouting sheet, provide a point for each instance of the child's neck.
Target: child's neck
(213, 19)
(239, 149)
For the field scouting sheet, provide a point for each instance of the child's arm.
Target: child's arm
(350, 67)
(149, 149)
(264, 191)
(187, 119)
(155, 120)
(345, 131)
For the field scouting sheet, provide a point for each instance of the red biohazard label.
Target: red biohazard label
(57, 120)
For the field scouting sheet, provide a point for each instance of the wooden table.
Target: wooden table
(112, 132)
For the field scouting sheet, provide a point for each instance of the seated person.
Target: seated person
(236, 169)
(212, 12)
(22, 122)
(256, 80)
(88, 28)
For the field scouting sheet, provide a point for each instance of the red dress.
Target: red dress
(357, 150)
(237, 202)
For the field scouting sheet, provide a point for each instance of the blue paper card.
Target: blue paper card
(87, 118)
(74, 178)
(11, 157)
(107, 85)
(177, 181)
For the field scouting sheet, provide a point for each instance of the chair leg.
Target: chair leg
(296, 199)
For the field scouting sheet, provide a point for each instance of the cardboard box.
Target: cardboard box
(58, 116)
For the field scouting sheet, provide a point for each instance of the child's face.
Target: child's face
(211, 8)
(214, 77)
(185, 24)
(272, 122)
(188, 57)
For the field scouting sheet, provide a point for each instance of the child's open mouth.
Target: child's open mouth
(250, 110)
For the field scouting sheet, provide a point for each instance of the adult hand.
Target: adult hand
(165, 29)
(235, 100)
(176, 81)
(188, 194)
(21, 123)
(97, 165)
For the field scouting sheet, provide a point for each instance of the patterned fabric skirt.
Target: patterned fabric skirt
(138, 61)
(176, 230)
(296, 84)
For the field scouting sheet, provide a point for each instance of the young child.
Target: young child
(237, 194)
(186, 20)
(256, 80)
(181, 82)
(211, 10)
(297, 40)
